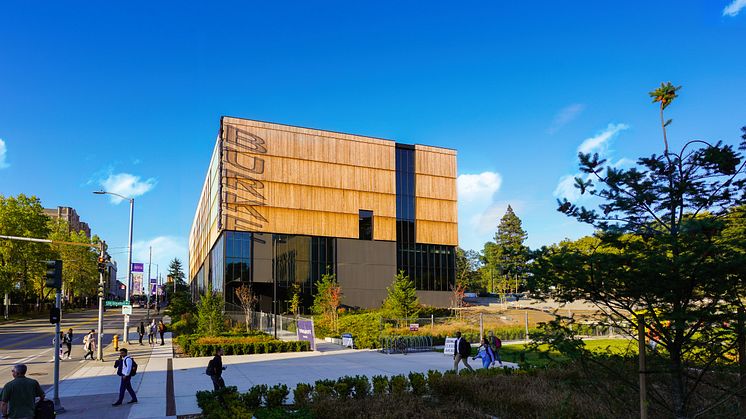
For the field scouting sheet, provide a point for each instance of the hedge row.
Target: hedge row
(191, 345)
(263, 401)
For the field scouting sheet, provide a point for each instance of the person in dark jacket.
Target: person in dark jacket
(462, 352)
(215, 370)
(161, 330)
(141, 331)
(68, 341)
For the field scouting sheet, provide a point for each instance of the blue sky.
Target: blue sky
(129, 96)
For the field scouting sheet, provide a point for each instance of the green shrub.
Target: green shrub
(322, 391)
(277, 395)
(194, 345)
(380, 385)
(418, 383)
(302, 394)
(252, 399)
(362, 387)
(210, 318)
(399, 385)
(222, 404)
(365, 329)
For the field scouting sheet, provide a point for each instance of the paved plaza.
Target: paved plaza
(165, 390)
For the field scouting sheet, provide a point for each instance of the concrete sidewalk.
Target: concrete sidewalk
(167, 386)
(90, 391)
(329, 361)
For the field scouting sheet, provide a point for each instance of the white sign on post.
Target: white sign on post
(450, 348)
(126, 310)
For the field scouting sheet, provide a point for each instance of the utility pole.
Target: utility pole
(643, 372)
(99, 349)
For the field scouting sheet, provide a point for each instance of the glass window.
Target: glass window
(365, 222)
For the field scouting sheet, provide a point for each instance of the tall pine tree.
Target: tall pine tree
(509, 254)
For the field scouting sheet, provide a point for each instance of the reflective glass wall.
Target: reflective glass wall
(432, 267)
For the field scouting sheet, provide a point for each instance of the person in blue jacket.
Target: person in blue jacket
(485, 352)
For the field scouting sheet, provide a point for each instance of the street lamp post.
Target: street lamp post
(125, 338)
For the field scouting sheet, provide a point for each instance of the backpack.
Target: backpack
(44, 409)
(133, 370)
(210, 370)
(497, 342)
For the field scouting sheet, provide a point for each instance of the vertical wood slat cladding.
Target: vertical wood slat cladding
(205, 230)
(436, 196)
(298, 181)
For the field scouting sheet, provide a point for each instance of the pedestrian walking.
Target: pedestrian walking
(19, 395)
(126, 368)
(68, 341)
(151, 332)
(215, 370)
(161, 330)
(57, 342)
(495, 344)
(485, 352)
(141, 331)
(461, 353)
(89, 344)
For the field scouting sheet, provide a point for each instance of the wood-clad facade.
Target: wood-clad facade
(288, 182)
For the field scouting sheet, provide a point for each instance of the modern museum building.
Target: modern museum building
(283, 205)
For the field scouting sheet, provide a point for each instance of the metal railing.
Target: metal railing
(406, 344)
(287, 326)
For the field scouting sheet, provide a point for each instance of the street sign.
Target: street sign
(414, 327)
(110, 303)
(126, 309)
(450, 348)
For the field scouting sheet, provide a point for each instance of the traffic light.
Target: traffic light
(54, 274)
(100, 290)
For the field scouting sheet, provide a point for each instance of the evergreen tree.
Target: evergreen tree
(669, 246)
(507, 256)
(176, 272)
(210, 318)
(402, 301)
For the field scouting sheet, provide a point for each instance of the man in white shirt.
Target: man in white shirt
(124, 369)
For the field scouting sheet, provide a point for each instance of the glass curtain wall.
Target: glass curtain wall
(432, 267)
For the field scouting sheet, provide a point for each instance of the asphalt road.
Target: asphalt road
(30, 342)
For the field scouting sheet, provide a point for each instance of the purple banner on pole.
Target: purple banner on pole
(153, 288)
(137, 267)
(305, 332)
(153, 280)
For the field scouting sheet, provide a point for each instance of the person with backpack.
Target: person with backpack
(67, 339)
(19, 395)
(215, 370)
(126, 368)
(495, 344)
(161, 330)
(461, 353)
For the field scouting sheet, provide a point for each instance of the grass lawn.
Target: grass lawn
(512, 353)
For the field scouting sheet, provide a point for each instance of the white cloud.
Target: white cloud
(600, 142)
(565, 116)
(165, 248)
(734, 8)
(478, 187)
(566, 188)
(127, 185)
(487, 221)
(3, 154)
